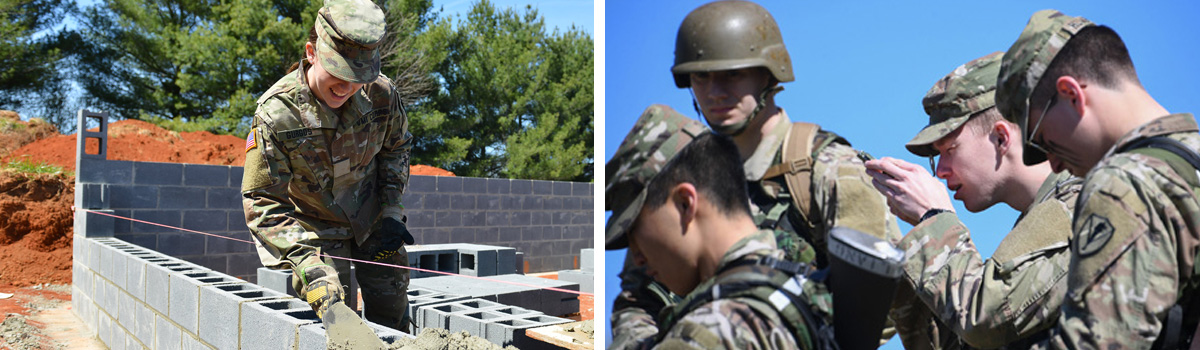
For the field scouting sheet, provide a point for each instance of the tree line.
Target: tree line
(491, 93)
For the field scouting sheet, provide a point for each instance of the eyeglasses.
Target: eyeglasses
(1029, 140)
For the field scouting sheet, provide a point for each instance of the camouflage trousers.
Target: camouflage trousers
(384, 289)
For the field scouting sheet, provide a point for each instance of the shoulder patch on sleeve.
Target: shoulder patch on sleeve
(1094, 233)
(251, 140)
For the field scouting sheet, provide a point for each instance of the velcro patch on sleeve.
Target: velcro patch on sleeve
(251, 140)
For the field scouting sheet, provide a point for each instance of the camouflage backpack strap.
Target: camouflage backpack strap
(804, 141)
(776, 285)
(1184, 315)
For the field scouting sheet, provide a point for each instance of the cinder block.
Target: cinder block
(192, 343)
(167, 335)
(185, 295)
(585, 279)
(235, 176)
(225, 198)
(105, 330)
(529, 293)
(499, 186)
(586, 263)
(124, 313)
(205, 220)
(218, 324)
(449, 184)
(519, 263)
(132, 196)
(474, 185)
(431, 257)
(472, 321)
(422, 183)
(181, 198)
(437, 315)
(92, 225)
(205, 175)
(158, 283)
(511, 331)
(118, 338)
(562, 188)
(92, 196)
(521, 186)
(428, 301)
(275, 324)
(141, 325)
(276, 280)
(84, 308)
(151, 173)
(104, 171)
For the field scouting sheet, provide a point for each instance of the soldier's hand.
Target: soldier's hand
(395, 235)
(910, 189)
(321, 287)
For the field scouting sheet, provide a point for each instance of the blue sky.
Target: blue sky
(559, 14)
(862, 69)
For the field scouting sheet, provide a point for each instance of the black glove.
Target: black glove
(394, 235)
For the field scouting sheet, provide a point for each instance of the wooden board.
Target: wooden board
(559, 336)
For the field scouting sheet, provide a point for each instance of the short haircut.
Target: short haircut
(982, 121)
(1096, 54)
(711, 163)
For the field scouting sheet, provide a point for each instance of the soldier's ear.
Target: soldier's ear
(1004, 134)
(686, 199)
(309, 53)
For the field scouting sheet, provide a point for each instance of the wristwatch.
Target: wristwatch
(932, 212)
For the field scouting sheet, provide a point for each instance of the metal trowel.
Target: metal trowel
(345, 330)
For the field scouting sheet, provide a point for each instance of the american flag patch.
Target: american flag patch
(251, 141)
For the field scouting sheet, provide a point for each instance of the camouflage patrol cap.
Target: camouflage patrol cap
(657, 136)
(727, 35)
(348, 35)
(968, 90)
(1022, 67)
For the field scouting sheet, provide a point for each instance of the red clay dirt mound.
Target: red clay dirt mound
(35, 234)
(137, 140)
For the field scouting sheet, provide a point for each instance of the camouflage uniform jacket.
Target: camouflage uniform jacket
(841, 193)
(316, 173)
(730, 323)
(991, 303)
(1136, 237)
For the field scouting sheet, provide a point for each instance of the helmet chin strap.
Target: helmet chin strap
(740, 127)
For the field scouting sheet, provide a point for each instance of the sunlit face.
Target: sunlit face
(1056, 129)
(656, 241)
(727, 97)
(969, 161)
(332, 91)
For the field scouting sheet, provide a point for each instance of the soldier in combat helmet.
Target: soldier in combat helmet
(326, 164)
(802, 180)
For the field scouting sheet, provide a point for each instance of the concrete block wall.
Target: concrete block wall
(136, 298)
(548, 221)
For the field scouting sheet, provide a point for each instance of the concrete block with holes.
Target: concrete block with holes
(220, 320)
(274, 324)
(432, 257)
(515, 290)
(184, 298)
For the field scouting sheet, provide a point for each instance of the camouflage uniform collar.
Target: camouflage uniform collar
(328, 117)
(761, 242)
(1049, 187)
(1170, 124)
(768, 148)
